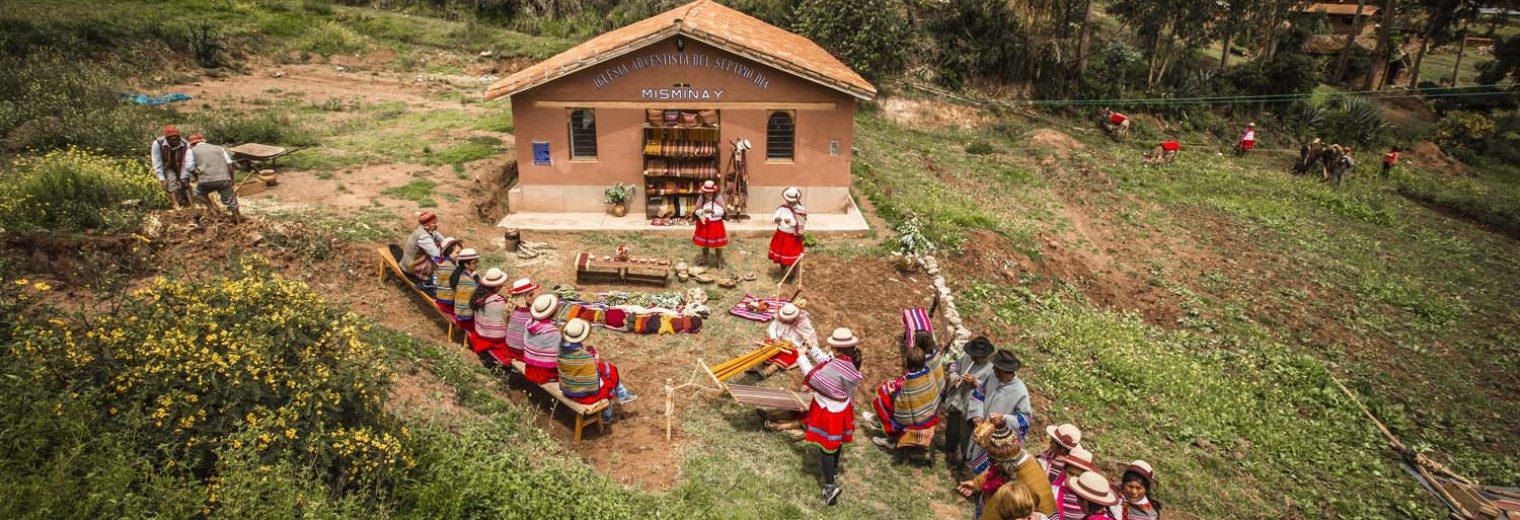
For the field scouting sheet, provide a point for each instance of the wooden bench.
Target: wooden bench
(386, 262)
(582, 411)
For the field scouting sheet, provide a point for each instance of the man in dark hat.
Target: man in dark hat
(1003, 394)
(969, 373)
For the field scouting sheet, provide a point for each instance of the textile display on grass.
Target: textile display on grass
(623, 318)
(743, 308)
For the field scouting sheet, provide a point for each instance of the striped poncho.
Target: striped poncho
(909, 402)
(444, 294)
(491, 322)
(517, 329)
(463, 291)
(577, 372)
(541, 348)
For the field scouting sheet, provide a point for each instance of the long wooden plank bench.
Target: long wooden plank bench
(582, 411)
(386, 263)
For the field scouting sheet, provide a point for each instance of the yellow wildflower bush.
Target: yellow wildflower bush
(252, 361)
(77, 190)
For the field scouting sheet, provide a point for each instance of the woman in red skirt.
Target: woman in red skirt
(791, 219)
(829, 421)
(710, 232)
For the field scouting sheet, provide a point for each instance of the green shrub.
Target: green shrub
(73, 190)
(871, 36)
(416, 190)
(982, 147)
(266, 127)
(197, 370)
(330, 39)
(50, 102)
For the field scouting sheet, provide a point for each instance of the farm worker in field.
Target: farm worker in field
(1343, 164)
(1247, 140)
(907, 404)
(213, 166)
(1134, 492)
(463, 281)
(794, 327)
(1063, 439)
(710, 233)
(542, 341)
(1069, 505)
(421, 253)
(490, 309)
(829, 422)
(583, 376)
(791, 220)
(1012, 470)
(443, 293)
(522, 314)
(168, 154)
(1095, 496)
(967, 375)
(1003, 394)
(1389, 160)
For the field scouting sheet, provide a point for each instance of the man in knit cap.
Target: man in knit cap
(168, 154)
(421, 253)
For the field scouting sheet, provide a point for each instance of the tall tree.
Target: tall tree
(1380, 65)
(1084, 37)
(1356, 29)
(1438, 20)
(1456, 68)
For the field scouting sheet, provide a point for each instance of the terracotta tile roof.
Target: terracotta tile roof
(710, 23)
(1340, 9)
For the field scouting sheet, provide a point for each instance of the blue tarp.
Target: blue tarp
(144, 99)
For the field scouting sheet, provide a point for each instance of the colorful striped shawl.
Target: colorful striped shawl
(444, 293)
(517, 328)
(835, 379)
(491, 322)
(542, 346)
(577, 372)
(462, 294)
(915, 404)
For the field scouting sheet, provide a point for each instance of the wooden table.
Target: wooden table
(593, 268)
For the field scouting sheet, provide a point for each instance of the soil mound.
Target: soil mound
(1426, 154)
(1055, 140)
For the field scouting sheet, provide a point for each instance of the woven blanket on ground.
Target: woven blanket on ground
(624, 319)
(742, 309)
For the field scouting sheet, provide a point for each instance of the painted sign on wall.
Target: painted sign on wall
(541, 153)
(612, 72)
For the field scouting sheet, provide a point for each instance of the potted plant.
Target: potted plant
(617, 197)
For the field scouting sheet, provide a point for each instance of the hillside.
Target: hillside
(1195, 314)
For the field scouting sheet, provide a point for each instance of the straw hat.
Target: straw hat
(709, 187)
(1143, 469)
(999, 439)
(423, 217)
(494, 278)
(576, 330)
(843, 338)
(467, 254)
(447, 243)
(1096, 489)
(791, 194)
(544, 306)
(1066, 434)
(1080, 458)
(523, 286)
(788, 313)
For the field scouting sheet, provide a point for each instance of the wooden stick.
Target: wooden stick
(710, 373)
(788, 273)
(1404, 451)
(670, 407)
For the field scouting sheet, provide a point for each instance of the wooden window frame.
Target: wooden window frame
(792, 145)
(575, 155)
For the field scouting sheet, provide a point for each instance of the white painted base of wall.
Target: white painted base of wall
(588, 199)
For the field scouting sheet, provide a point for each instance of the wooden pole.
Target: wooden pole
(788, 274)
(1430, 480)
(670, 407)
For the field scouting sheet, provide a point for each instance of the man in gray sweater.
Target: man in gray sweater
(214, 166)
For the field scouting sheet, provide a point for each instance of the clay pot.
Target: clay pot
(619, 209)
(269, 178)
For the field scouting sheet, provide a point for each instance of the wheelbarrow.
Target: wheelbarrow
(256, 159)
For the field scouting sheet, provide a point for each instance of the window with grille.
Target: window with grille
(583, 134)
(780, 136)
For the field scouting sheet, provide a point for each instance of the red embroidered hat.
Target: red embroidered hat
(423, 217)
(170, 130)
